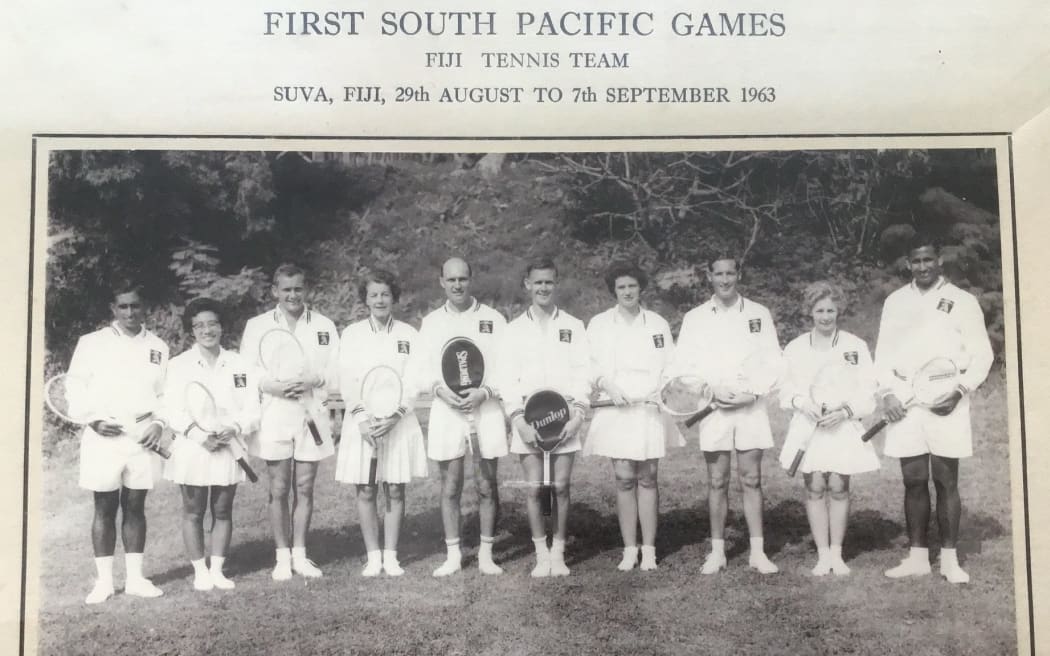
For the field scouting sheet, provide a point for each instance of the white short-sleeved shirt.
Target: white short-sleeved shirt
(231, 380)
(448, 429)
(553, 356)
(917, 325)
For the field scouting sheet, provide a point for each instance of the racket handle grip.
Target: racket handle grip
(698, 417)
(247, 469)
(873, 431)
(546, 499)
(799, 455)
(314, 432)
(373, 466)
(162, 452)
(604, 403)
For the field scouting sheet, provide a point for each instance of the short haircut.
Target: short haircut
(625, 269)
(441, 269)
(288, 271)
(198, 305)
(816, 292)
(539, 264)
(722, 256)
(382, 277)
(123, 285)
(923, 239)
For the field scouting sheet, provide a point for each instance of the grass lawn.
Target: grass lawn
(597, 609)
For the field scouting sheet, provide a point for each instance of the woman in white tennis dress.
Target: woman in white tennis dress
(203, 463)
(379, 341)
(630, 350)
(834, 451)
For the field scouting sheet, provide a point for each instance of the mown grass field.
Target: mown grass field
(597, 609)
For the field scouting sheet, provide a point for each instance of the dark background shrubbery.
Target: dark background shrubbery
(189, 223)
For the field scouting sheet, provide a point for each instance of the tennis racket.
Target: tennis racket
(833, 386)
(463, 368)
(932, 382)
(283, 358)
(759, 373)
(381, 394)
(69, 398)
(202, 409)
(547, 411)
(681, 396)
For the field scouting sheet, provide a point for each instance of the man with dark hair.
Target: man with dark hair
(930, 317)
(123, 367)
(463, 315)
(715, 339)
(284, 440)
(545, 348)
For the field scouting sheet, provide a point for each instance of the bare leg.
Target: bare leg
(194, 503)
(104, 523)
(626, 473)
(279, 474)
(368, 516)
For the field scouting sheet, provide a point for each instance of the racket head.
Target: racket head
(281, 354)
(684, 396)
(762, 370)
(934, 380)
(65, 395)
(381, 391)
(462, 364)
(201, 407)
(834, 385)
(547, 411)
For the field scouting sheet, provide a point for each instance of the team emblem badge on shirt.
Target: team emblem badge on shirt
(851, 357)
(754, 325)
(658, 341)
(402, 346)
(485, 326)
(322, 337)
(240, 380)
(154, 356)
(565, 335)
(945, 306)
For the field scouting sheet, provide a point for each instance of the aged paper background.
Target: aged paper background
(197, 69)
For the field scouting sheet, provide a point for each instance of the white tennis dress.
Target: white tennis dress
(838, 450)
(402, 456)
(232, 383)
(632, 352)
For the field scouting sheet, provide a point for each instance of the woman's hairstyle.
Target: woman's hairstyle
(622, 270)
(818, 291)
(198, 305)
(382, 277)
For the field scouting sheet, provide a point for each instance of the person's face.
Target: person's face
(128, 311)
(290, 292)
(380, 300)
(723, 277)
(207, 330)
(825, 316)
(925, 266)
(628, 292)
(540, 284)
(455, 280)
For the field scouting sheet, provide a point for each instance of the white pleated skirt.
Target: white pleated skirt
(637, 432)
(838, 450)
(192, 464)
(402, 455)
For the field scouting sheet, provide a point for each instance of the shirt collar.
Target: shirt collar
(376, 327)
(202, 361)
(834, 338)
(941, 282)
(120, 333)
(475, 305)
(280, 319)
(716, 305)
(554, 315)
(618, 316)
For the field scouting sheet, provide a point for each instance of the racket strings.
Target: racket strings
(685, 395)
(935, 380)
(381, 392)
(201, 406)
(282, 357)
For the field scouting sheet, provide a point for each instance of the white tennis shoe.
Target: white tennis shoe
(910, 566)
(630, 558)
(283, 571)
(142, 587)
(714, 563)
(306, 568)
(100, 592)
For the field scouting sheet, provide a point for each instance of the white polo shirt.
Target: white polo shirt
(916, 326)
(714, 340)
(124, 374)
(632, 352)
(367, 344)
(231, 380)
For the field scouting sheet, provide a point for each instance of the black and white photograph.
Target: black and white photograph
(657, 400)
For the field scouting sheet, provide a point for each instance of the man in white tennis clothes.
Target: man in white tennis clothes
(448, 432)
(545, 348)
(716, 337)
(930, 317)
(283, 433)
(123, 366)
